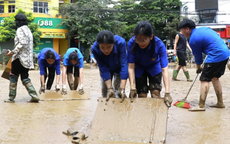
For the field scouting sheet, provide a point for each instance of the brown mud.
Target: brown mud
(43, 123)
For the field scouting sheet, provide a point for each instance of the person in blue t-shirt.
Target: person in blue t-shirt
(110, 53)
(49, 59)
(205, 40)
(147, 61)
(73, 59)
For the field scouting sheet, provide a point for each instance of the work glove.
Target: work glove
(110, 94)
(64, 90)
(132, 94)
(168, 99)
(57, 87)
(122, 94)
(42, 89)
(199, 70)
(81, 91)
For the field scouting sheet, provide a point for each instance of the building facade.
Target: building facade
(45, 13)
(210, 13)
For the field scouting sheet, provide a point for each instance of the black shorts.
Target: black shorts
(76, 70)
(154, 82)
(212, 70)
(182, 58)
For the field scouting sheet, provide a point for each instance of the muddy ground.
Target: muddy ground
(43, 123)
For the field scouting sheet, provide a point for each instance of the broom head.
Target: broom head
(182, 104)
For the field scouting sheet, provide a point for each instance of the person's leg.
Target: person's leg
(51, 77)
(70, 77)
(76, 77)
(155, 85)
(141, 85)
(175, 73)
(218, 89)
(204, 88)
(116, 83)
(12, 88)
(29, 86)
(186, 73)
(15, 71)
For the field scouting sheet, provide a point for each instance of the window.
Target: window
(11, 8)
(41, 7)
(207, 16)
(1, 2)
(11, 1)
(1, 8)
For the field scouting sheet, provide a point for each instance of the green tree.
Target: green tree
(158, 12)
(8, 28)
(86, 18)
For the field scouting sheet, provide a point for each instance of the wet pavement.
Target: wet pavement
(35, 123)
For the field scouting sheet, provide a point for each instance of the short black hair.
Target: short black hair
(187, 23)
(73, 55)
(20, 20)
(105, 36)
(50, 54)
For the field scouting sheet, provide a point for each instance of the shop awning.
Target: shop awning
(53, 35)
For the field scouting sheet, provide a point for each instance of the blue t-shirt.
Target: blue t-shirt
(115, 62)
(66, 61)
(43, 63)
(142, 59)
(209, 42)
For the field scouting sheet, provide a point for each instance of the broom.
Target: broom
(184, 103)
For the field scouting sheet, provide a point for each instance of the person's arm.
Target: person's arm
(64, 68)
(23, 40)
(165, 75)
(188, 46)
(81, 76)
(123, 61)
(132, 75)
(175, 44)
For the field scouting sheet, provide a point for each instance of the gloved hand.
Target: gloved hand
(122, 94)
(199, 70)
(64, 90)
(42, 89)
(168, 99)
(81, 91)
(57, 87)
(110, 94)
(132, 94)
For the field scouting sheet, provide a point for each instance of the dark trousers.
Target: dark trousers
(18, 69)
(50, 75)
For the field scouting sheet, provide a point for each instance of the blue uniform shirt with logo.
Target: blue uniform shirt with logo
(43, 63)
(144, 61)
(115, 62)
(209, 42)
(66, 61)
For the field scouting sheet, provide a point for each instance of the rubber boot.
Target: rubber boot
(13, 88)
(70, 81)
(187, 76)
(175, 73)
(76, 80)
(31, 90)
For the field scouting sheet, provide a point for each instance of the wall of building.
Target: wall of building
(52, 33)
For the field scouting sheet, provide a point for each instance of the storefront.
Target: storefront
(53, 35)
